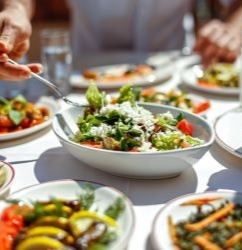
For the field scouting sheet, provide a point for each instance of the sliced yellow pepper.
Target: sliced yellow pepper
(93, 215)
(39, 243)
(52, 207)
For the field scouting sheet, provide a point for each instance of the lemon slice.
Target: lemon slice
(39, 243)
(82, 220)
(95, 216)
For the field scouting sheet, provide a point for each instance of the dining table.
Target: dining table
(39, 158)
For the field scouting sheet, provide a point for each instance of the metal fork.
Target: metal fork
(53, 87)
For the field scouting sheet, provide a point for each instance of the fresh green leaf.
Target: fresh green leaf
(21, 99)
(115, 210)
(95, 98)
(88, 197)
(108, 237)
(3, 101)
(16, 116)
(98, 246)
(180, 117)
(12, 201)
(193, 141)
(126, 94)
(129, 143)
(167, 141)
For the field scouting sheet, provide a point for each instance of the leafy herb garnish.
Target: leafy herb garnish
(115, 209)
(88, 197)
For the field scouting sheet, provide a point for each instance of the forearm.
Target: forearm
(21, 5)
(235, 20)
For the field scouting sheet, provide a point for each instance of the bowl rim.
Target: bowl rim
(199, 117)
(121, 194)
(218, 138)
(154, 239)
(7, 183)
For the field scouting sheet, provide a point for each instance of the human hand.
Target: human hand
(14, 43)
(218, 42)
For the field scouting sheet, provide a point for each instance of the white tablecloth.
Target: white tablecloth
(40, 157)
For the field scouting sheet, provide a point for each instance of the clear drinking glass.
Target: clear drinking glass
(56, 57)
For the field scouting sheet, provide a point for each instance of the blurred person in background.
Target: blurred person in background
(142, 25)
(138, 25)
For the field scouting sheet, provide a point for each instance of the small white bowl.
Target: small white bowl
(160, 235)
(143, 165)
(70, 189)
(9, 176)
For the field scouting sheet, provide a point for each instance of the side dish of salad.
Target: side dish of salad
(175, 98)
(211, 227)
(123, 125)
(18, 113)
(220, 75)
(60, 224)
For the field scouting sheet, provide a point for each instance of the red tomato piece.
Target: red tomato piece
(25, 123)
(5, 121)
(135, 150)
(201, 107)
(207, 84)
(92, 144)
(185, 127)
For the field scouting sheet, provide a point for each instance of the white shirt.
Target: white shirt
(139, 25)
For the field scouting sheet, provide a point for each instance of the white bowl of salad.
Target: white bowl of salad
(131, 139)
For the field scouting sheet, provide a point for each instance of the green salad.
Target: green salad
(123, 125)
(221, 74)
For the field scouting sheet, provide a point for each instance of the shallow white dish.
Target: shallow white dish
(228, 128)
(44, 101)
(145, 165)
(8, 173)
(160, 236)
(158, 75)
(69, 189)
(190, 75)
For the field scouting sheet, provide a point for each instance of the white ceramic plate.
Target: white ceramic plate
(160, 236)
(190, 75)
(8, 173)
(159, 75)
(44, 101)
(69, 189)
(228, 131)
(162, 164)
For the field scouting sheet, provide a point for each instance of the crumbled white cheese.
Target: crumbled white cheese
(147, 146)
(138, 114)
(101, 131)
(167, 115)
